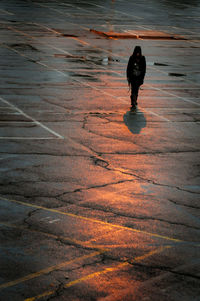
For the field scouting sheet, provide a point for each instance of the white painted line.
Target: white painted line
(180, 97)
(54, 221)
(112, 8)
(29, 117)
(9, 112)
(6, 12)
(95, 88)
(185, 29)
(47, 28)
(4, 108)
(17, 122)
(144, 27)
(56, 10)
(46, 217)
(157, 115)
(49, 219)
(34, 38)
(49, 67)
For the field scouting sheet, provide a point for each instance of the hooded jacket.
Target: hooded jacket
(136, 68)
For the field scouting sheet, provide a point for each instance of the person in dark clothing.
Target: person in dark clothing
(135, 72)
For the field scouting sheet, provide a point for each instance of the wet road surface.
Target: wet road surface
(97, 203)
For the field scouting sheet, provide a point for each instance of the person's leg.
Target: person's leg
(136, 93)
(133, 95)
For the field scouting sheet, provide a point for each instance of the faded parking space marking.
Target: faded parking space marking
(46, 271)
(73, 241)
(97, 89)
(74, 282)
(96, 274)
(19, 111)
(110, 225)
(118, 73)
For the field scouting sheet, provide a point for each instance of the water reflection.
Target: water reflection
(182, 4)
(135, 121)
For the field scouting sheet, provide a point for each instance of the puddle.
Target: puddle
(160, 64)
(69, 35)
(89, 59)
(176, 74)
(138, 34)
(70, 56)
(23, 46)
(86, 76)
(101, 113)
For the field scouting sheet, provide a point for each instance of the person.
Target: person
(135, 72)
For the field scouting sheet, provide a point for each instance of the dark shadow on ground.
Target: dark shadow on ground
(135, 121)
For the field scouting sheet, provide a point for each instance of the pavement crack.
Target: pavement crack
(101, 163)
(78, 245)
(88, 147)
(30, 214)
(57, 154)
(163, 268)
(58, 291)
(184, 205)
(57, 105)
(152, 181)
(126, 215)
(156, 152)
(94, 187)
(85, 121)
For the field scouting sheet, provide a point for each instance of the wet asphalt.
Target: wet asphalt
(96, 202)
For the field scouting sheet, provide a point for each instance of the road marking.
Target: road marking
(172, 94)
(158, 70)
(99, 273)
(79, 243)
(45, 218)
(100, 6)
(58, 266)
(159, 250)
(155, 114)
(34, 38)
(46, 271)
(185, 29)
(17, 122)
(109, 225)
(95, 88)
(6, 12)
(31, 118)
(155, 88)
(56, 10)
(106, 93)
(54, 221)
(74, 282)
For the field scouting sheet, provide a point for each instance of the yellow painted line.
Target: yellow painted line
(80, 41)
(159, 250)
(112, 269)
(74, 282)
(83, 244)
(90, 276)
(46, 271)
(109, 225)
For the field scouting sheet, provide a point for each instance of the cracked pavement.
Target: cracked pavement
(97, 203)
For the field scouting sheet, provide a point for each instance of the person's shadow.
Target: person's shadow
(135, 121)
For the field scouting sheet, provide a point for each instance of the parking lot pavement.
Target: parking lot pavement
(97, 203)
